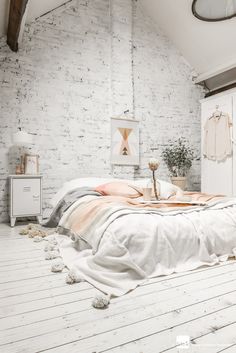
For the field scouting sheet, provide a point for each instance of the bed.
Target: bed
(109, 237)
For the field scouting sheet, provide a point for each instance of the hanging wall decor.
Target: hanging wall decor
(124, 141)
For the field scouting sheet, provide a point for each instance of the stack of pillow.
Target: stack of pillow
(117, 187)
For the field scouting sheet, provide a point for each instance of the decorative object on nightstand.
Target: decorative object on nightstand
(21, 138)
(31, 164)
(25, 197)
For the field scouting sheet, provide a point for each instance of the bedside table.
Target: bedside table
(25, 196)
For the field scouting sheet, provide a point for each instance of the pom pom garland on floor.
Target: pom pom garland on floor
(36, 233)
(33, 230)
(24, 231)
(50, 255)
(50, 247)
(73, 277)
(101, 301)
(58, 266)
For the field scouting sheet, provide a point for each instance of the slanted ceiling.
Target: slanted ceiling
(209, 47)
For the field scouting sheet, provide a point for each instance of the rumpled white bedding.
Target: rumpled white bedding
(135, 247)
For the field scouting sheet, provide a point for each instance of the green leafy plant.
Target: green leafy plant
(178, 157)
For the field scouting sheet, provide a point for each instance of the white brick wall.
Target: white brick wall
(79, 65)
(166, 101)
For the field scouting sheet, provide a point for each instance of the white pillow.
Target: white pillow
(166, 189)
(77, 183)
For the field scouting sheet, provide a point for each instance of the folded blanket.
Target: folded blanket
(67, 201)
(83, 221)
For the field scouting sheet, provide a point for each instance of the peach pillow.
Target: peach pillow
(118, 189)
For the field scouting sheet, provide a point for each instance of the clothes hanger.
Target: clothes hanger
(217, 112)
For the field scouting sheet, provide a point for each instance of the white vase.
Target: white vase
(179, 181)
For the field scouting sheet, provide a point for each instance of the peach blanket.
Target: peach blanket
(96, 211)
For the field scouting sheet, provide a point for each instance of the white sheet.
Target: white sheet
(136, 247)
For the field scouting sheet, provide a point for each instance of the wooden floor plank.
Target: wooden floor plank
(26, 274)
(143, 335)
(53, 301)
(164, 299)
(20, 256)
(171, 312)
(231, 349)
(41, 313)
(221, 338)
(145, 290)
(51, 280)
(16, 267)
(28, 297)
(167, 338)
(31, 285)
(39, 295)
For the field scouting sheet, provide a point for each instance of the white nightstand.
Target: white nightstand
(25, 196)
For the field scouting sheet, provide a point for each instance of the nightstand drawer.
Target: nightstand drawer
(26, 198)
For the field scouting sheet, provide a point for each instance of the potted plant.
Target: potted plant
(178, 157)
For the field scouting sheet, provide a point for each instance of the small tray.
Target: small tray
(199, 203)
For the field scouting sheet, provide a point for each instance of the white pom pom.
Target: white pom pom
(101, 301)
(50, 247)
(24, 231)
(57, 266)
(69, 280)
(73, 277)
(50, 255)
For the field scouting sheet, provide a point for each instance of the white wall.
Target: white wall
(166, 100)
(77, 67)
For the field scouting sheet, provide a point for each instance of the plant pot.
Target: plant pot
(179, 181)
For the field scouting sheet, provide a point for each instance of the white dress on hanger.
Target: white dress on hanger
(217, 137)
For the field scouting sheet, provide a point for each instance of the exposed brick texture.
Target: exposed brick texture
(78, 66)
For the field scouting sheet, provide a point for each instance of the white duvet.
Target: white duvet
(135, 247)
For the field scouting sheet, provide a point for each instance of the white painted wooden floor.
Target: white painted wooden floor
(40, 313)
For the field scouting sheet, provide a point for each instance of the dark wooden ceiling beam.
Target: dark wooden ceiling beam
(16, 14)
(219, 90)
